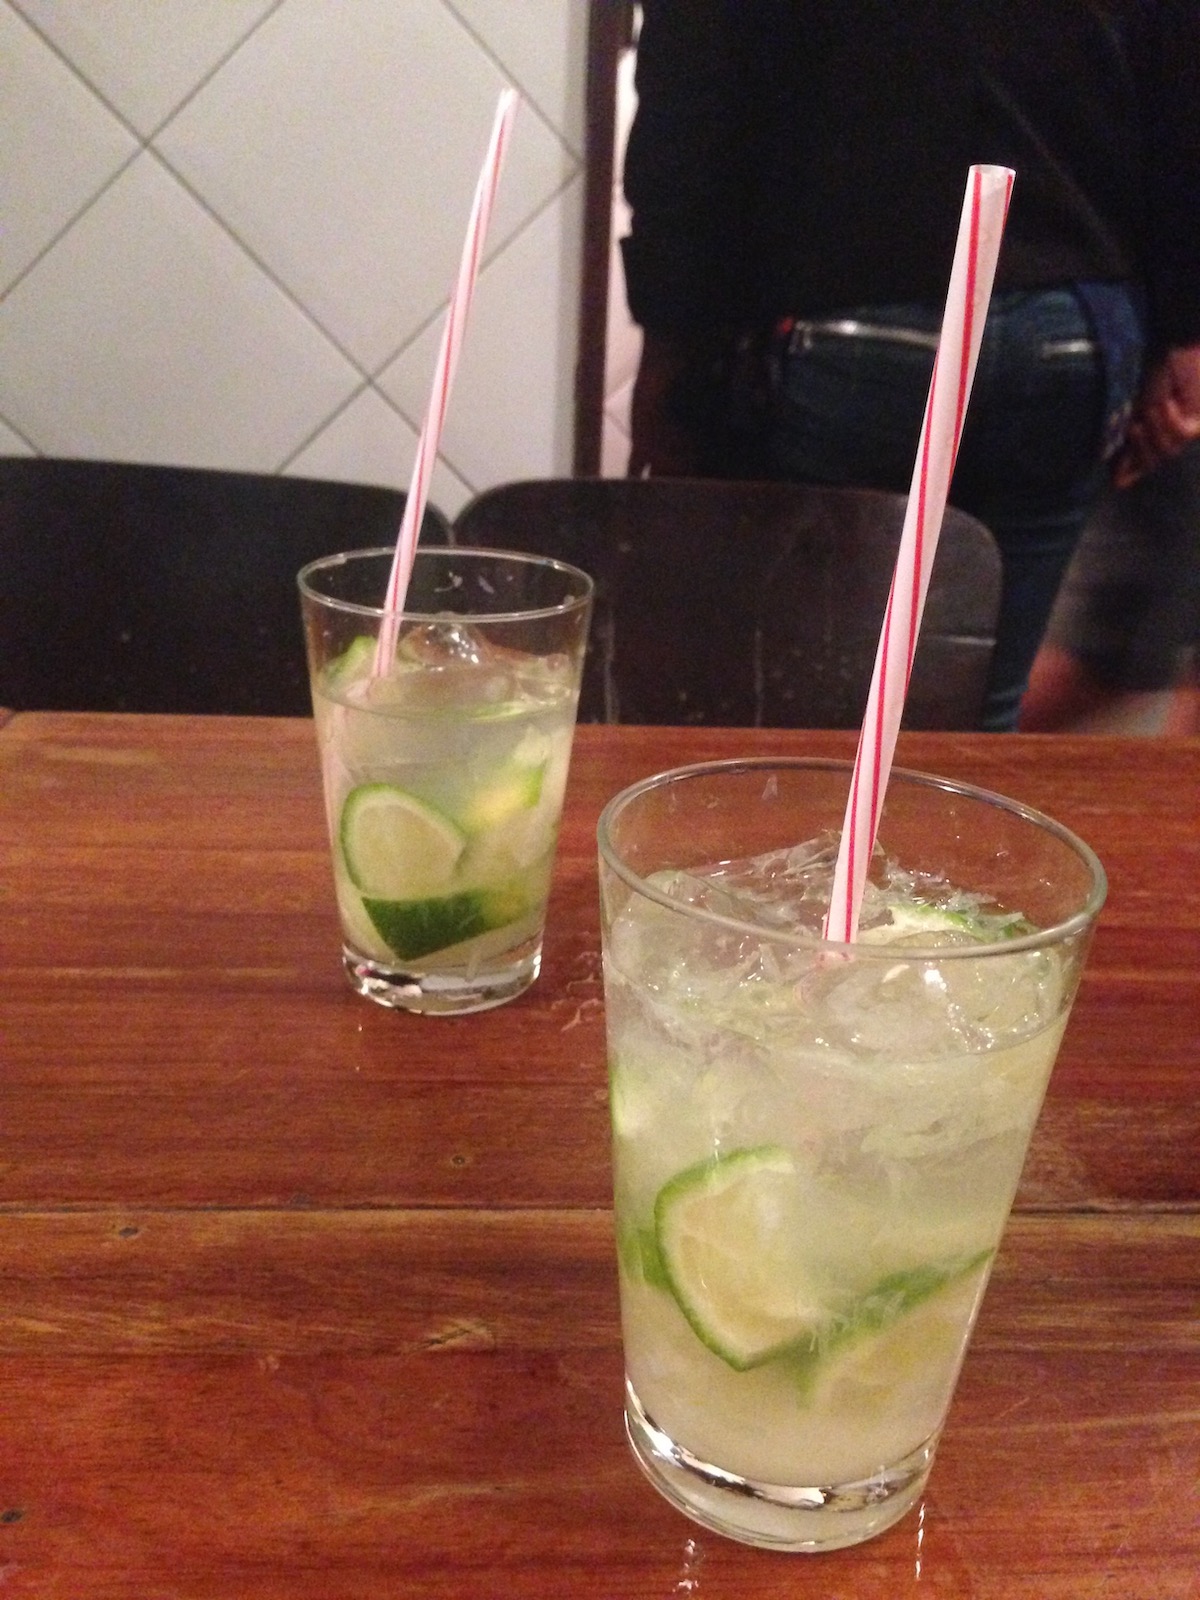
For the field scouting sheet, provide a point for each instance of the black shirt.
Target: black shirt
(806, 156)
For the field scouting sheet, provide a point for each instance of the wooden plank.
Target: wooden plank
(304, 1298)
(386, 1404)
(168, 954)
(141, 1107)
(322, 1281)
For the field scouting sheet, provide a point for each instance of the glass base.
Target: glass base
(775, 1516)
(443, 994)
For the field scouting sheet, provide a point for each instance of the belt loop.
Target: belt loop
(778, 346)
(800, 339)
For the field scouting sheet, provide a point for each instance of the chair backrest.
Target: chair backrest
(151, 588)
(751, 604)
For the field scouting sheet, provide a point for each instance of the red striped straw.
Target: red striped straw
(980, 230)
(443, 379)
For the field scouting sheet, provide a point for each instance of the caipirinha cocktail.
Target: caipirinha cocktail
(815, 1153)
(444, 768)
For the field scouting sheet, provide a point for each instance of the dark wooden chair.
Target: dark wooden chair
(152, 588)
(751, 604)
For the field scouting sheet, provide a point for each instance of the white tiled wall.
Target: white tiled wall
(228, 229)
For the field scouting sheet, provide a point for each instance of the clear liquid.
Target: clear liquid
(902, 1093)
(481, 737)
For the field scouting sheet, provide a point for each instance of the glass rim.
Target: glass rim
(343, 558)
(1057, 933)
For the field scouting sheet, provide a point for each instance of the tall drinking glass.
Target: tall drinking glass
(444, 767)
(816, 1146)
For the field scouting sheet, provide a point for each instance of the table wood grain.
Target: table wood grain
(305, 1298)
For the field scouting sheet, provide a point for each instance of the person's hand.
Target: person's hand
(660, 445)
(1166, 417)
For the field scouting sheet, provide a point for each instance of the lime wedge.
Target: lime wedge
(352, 664)
(733, 1249)
(916, 920)
(909, 921)
(416, 928)
(637, 1251)
(898, 1348)
(395, 846)
(727, 1242)
(514, 788)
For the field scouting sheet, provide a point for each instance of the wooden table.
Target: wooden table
(303, 1298)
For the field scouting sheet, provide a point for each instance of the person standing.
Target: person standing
(1124, 634)
(795, 172)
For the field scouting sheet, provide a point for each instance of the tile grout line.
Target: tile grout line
(143, 141)
(252, 256)
(368, 376)
(372, 378)
(218, 66)
(485, 49)
(147, 147)
(66, 228)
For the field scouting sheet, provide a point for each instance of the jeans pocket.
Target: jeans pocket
(849, 410)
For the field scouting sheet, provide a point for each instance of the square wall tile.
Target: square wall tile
(342, 144)
(60, 145)
(146, 334)
(144, 58)
(513, 408)
(542, 45)
(370, 442)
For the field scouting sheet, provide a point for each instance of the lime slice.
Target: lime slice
(909, 921)
(914, 920)
(898, 1350)
(733, 1247)
(357, 927)
(727, 1240)
(513, 789)
(395, 846)
(516, 790)
(416, 928)
(637, 1251)
(353, 663)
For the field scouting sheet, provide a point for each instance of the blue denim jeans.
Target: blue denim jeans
(1050, 390)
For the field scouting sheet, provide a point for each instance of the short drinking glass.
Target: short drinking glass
(816, 1146)
(444, 765)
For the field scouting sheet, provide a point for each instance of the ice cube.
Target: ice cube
(782, 890)
(445, 642)
(443, 665)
